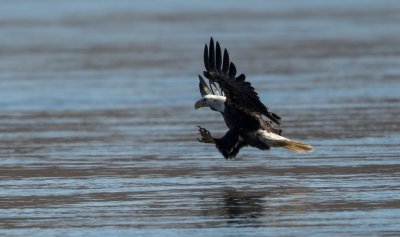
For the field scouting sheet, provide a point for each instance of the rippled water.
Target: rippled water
(98, 131)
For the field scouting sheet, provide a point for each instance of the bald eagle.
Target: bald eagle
(249, 121)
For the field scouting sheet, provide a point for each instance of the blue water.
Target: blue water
(98, 130)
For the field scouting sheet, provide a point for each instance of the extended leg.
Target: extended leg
(205, 136)
(229, 145)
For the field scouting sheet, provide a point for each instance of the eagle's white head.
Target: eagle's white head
(215, 102)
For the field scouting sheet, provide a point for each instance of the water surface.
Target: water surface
(98, 130)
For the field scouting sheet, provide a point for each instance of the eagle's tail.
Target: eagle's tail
(275, 140)
(294, 146)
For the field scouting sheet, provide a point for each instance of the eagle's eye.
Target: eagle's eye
(204, 100)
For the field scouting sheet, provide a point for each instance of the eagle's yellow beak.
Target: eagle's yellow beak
(199, 103)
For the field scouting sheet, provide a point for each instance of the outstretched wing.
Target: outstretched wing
(208, 90)
(237, 90)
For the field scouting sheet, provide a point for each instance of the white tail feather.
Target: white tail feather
(294, 146)
(275, 140)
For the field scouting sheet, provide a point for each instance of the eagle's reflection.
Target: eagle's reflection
(242, 207)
